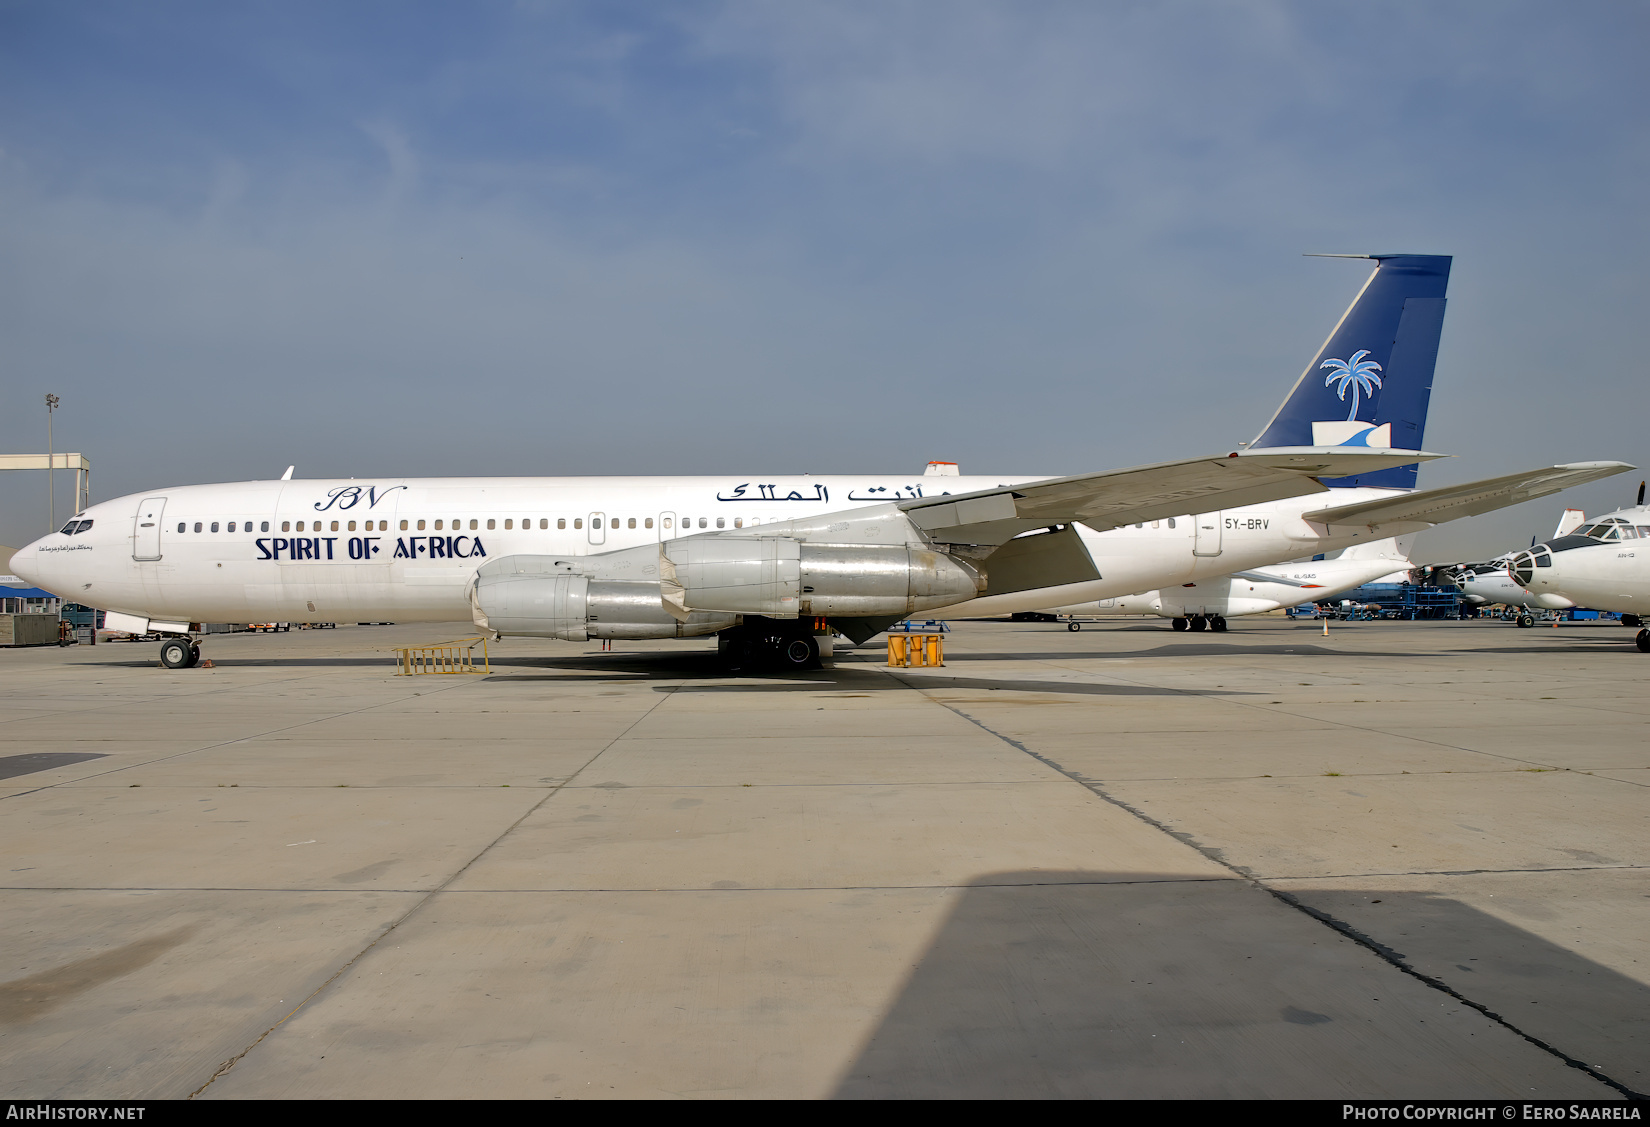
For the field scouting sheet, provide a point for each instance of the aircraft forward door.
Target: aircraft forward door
(1207, 541)
(146, 528)
(598, 528)
(667, 526)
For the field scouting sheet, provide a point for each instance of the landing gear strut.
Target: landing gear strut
(179, 653)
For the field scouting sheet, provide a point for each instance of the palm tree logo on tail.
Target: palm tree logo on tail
(1357, 373)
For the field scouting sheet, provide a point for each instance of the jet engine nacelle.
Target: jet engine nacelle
(576, 608)
(692, 587)
(783, 578)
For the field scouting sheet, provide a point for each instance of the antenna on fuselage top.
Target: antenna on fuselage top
(288, 475)
(1641, 493)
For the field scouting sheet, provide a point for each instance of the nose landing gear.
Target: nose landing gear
(180, 653)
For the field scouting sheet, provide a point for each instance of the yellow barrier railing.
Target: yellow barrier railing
(908, 650)
(442, 657)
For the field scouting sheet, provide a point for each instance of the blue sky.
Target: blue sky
(567, 238)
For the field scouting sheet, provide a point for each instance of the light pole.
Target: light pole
(51, 496)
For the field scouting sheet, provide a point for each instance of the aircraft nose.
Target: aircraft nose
(1523, 567)
(31, 563)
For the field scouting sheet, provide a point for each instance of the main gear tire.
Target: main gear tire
(795, 651)
(178, 653)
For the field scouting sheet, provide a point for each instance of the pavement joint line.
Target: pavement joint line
(1225, 699)
(114, 770)
(1380, 950)
(419, 904)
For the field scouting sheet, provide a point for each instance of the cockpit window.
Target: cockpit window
(75, 526)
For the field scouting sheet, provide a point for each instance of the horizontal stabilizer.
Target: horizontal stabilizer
(1435, 506)
(1115, 497)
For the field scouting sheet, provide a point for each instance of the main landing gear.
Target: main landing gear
(180, 653)
(1200, 622)
(1643, 641)
(775, 644)
(1526, 620)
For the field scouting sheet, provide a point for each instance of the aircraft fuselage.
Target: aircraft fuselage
(406, 550)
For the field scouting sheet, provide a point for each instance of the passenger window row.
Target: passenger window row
(721, 522)
(441, 525)
(246, 526)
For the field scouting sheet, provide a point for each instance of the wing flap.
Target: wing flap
(1435, 506)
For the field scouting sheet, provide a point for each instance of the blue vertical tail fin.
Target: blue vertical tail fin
(1370, 383)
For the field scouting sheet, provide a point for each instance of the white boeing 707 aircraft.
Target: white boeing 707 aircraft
(772, 564)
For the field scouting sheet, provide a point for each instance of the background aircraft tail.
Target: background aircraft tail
(1394, 548)
(1569, 522)
(1370, 383)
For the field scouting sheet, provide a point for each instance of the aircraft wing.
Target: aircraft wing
(1142, 493)
(1435, 506)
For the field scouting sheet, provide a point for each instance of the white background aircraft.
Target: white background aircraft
(1489, 583)
(1603, 565)
(1208, 603)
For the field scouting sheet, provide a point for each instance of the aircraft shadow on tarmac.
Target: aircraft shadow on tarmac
(1087, 984)
(861, 676)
